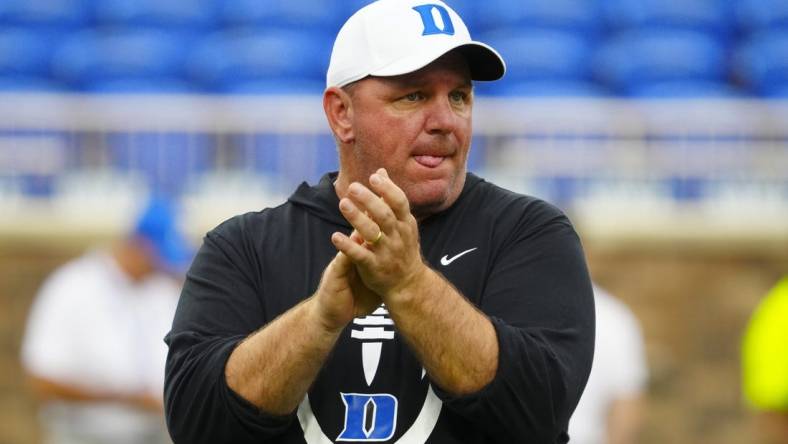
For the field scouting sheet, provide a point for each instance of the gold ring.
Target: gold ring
(377, 238)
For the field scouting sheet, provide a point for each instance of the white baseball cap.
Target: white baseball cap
(394, 37)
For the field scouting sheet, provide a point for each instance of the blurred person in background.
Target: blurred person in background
(93, 347)
(611, 409)
(765, 364)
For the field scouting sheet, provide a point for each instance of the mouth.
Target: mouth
(429, 161)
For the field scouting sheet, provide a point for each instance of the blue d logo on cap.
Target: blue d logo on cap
(430, 27)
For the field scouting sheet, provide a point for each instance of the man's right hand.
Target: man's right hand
(275, 378)
(341, 295)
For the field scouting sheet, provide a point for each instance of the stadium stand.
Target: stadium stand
(325, 15)
(779, 92)
(573, 15)
(102, 60)
(755, 15)
(238, 60)
(547, 88)
(547, 56)
(277, 52)
(685, 89)
(22, 84)
(245, 46)
(639, 58)
(709, 16)
(168, 162)
(186, 15)
(35, 14)
(348, 7)
(761, 63)
(287, 160)
(24, 60)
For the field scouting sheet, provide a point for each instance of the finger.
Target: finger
(365, 226)
(339, 266)
(336, 271)
(357, 238)
(355, 252)
(382, 184)
(376, 207)
(342, 262)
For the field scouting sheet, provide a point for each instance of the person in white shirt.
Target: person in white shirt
(93, 347)
(611, 409)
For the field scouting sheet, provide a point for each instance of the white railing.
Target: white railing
(623, 169)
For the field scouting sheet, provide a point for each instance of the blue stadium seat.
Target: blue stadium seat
(182, 14)
(243, 56)
(545, 88)
(62, 14)
(712, 16)
(95, 57)
(324, 15)
(540, 55)
(645, 57)
(348, 7)
(571, 15)
(779, 92)
(29, 84)
(686, 89)
(25, 52)
(143, 85)
(761, 15)
(467, 9)
(761, 63)
(274, 86)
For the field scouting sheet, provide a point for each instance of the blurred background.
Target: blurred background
(660, 126)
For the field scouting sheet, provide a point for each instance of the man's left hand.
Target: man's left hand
(389, 258)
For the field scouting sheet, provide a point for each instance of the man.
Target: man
(611, 410)
(92, 347)
(765, 365)
(400, 300)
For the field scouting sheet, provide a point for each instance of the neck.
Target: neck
(341, 185)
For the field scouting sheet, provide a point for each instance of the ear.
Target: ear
(338, 107)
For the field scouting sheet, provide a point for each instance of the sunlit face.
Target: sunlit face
(418, 127)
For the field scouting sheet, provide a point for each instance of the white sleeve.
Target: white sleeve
(631, 370)
(48, 349)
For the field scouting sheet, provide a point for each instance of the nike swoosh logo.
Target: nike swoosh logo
(446, 260)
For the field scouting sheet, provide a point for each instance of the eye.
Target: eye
(458, 97)
(413, 97)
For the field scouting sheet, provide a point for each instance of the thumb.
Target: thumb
(341, 264)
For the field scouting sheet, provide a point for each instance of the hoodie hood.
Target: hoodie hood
(320, 200)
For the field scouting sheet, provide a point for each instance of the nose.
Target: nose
(441, 117)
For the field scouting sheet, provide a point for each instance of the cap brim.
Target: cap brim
(483, 61)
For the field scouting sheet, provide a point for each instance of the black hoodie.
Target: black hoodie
(515, 257)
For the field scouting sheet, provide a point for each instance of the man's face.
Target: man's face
(418, 127)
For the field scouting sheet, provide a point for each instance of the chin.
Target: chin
(430, 198)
